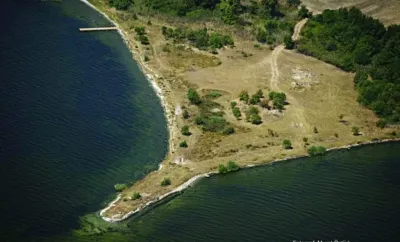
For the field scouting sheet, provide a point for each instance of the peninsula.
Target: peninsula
(237, 93)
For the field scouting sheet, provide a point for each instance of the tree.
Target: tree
(166, 182)
(293, 2)
(183, 144)
(289, 44)
(229, 10)
(254, 99)
(341, 117)
(305, 139)
(193, 97)
(303, 12)
(120, 4)
(287, 144)
(355, 130)
(315, 130)
(185, 130)
(268, 8)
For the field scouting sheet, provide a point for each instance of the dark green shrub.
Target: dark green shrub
(233, 104)
(120, 187)
(244, 96)
(193, 97)
(228, 130)
(183, 144)
(136, 196)
(232, 166)
(222, 169)
(140, 30)
(316, 150)
(355, 130)
(166, 182)
(287, 144)
(381, 124)
(236, 112)
(185, 114)
(144, 40)
(185, 130)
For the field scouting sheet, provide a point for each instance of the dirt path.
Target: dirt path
(294, 106)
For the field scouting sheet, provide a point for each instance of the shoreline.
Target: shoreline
(171, 121)
(149, 74)
(196, 178)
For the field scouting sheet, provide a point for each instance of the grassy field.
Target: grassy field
(318, 95)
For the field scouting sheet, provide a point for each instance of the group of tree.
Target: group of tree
(355, 42)
(201, 38)
(120, 4)
(141, 35)
(252, 115)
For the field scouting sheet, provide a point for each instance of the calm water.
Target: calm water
(77, 116)
(346, 195)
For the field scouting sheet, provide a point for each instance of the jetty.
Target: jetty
(97, 29)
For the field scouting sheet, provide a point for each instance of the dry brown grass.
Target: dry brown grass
(316, 106)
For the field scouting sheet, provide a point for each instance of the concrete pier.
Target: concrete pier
(97, 29)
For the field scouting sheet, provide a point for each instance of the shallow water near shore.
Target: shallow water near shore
(348, 195)
(77, 117)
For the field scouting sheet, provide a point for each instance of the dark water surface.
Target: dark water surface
(345, 195)
(77, 116)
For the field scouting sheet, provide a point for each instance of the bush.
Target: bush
(381, 124)
(355, 130)
(305, 139)
(228, 130)
(166, 182)
(287, 144)
(183, 144)
(144, 40)
(146, 58)
(185, 130)
(193, 97)
(316, 150)
(214, 94)
(120, 187)
(233, 104)
(315, 130)
(236, 112)
(198, 121)
(244, 96)
(140, 30)
(255, 99)
(289, 44)
(230, 167)
(136, 196)
(185, 114)
(222, 169)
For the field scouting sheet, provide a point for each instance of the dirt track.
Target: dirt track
(294, 104)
